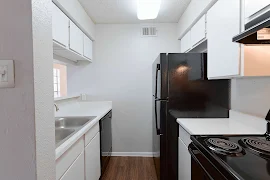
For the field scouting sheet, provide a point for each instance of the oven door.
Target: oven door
(201, 167)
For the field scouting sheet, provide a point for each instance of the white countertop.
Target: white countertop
(98, 109)
(238, 123)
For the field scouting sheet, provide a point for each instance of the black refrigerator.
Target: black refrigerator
(181, 90)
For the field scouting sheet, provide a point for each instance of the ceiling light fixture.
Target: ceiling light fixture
(148, 9)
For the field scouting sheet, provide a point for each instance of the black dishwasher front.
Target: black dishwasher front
(106, 140)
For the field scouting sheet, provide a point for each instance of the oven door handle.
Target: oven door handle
(193, 151)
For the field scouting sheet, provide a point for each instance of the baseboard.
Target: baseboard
(133, 154)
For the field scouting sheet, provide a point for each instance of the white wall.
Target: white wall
(192, 14)
(78, 15)
(122, 72)
(251, 95)
(43, 88)
(27, 124)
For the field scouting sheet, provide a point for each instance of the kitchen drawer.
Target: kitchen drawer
(91, 134)
(67, 159)
(184, 136)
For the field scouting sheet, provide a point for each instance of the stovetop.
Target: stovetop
(245, 157)
(224, 147)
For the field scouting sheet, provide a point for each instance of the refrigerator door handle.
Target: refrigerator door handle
(157, 69)
(157, 129)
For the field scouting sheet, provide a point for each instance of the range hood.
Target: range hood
(256, 31)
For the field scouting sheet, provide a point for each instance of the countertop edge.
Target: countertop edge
(59, 151)
(66, 98)
(235, 113)
(183, 126)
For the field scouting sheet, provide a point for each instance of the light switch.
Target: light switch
(7, 77)
(3, 73)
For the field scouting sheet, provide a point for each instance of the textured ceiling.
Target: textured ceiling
(124, 11)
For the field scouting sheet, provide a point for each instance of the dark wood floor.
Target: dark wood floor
(130, 168)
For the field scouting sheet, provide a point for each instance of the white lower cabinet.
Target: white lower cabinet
(92, 159)
(184, 161)
(76, 170)
(82, 160)
(67, 159)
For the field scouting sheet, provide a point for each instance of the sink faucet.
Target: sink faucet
(56, 107)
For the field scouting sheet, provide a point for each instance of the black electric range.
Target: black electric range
(230, 157)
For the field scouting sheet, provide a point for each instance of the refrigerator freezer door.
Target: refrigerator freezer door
(188, 66)
(184, 71)
(159, 76)
(198, 65)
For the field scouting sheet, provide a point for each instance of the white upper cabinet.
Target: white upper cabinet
(92, 159)
(198, 31)
(76, 39)
(254, 6)
(87, 47)
(185, 43)
(223, 22)
(60, 27)
(69, 42)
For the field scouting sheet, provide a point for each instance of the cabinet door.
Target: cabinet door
(253, 6)
(223, 22)
(198, 31)
(87, 47)
(76, 170)
(185, 43)
(184, 162)
(92, 159)
(76, 39)
(60, 23)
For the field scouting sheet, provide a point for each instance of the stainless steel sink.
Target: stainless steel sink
(65, 127)
(62, 134)
(72, 122)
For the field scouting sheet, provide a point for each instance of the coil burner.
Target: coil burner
(224, 147)
(256, 145)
